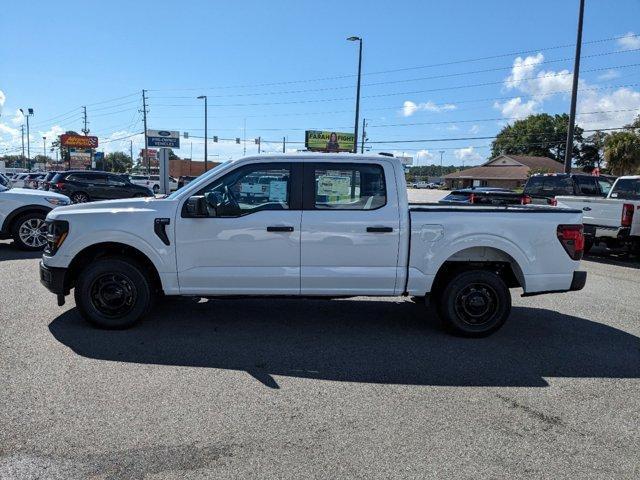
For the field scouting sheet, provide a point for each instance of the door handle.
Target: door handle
(379, 229)
(279, 229)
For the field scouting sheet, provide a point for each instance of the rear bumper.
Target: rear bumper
(577, 283)
(53, 279)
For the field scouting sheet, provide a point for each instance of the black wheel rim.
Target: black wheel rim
(477, 304)
(80, 198)
(113, 295)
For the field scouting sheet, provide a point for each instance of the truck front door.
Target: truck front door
(350, 229)
(240, 243)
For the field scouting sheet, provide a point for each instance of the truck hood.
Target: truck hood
(27, 193)
(126, 205)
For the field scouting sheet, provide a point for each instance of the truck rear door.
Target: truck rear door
(350, 229)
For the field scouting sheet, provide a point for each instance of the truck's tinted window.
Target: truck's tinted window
(250, 189)
(557, 185)
(626, 189)
(356, 187)
(534, 186)
(587, 185)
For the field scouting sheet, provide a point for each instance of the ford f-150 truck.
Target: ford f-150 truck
(614, 220)
(331, 225)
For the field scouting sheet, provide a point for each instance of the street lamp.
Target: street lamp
(44, 147)
(205, 129)
(355, 128)
(27, 115)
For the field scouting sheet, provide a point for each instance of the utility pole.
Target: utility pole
(28, 114)
(355, 128)
(244, 143)
(22, 135)
(441, 167)
(364, 134)
(145, 155)
(85, 130)
(44, 146)
(131, 149)
(284, 144)
(574, 94)
(258, 141)
(206, 138)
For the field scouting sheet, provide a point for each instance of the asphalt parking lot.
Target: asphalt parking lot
(358, 388)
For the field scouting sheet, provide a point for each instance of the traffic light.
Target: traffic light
(215, 139)
(238, 140)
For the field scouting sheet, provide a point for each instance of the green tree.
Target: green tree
(541, 135)
(592, 151)
(118, 162)
(622, 152)
(635, 125)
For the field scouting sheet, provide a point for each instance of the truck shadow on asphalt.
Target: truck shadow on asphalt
(9, 252)
(359, 341)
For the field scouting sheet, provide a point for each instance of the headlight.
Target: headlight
(58, 201)
(57, 231)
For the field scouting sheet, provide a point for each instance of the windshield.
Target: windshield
(215, 169)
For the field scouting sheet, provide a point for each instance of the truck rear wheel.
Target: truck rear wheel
(113, 293)
(475, 303)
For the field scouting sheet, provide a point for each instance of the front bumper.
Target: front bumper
(577, 283)
(53, 279)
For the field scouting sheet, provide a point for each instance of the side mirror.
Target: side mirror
(195, 207)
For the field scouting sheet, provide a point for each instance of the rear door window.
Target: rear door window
(349, 187)
(556, 185)
(534, 186)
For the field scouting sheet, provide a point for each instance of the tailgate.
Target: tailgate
(595, 211)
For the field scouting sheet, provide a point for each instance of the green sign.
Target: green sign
(321, 141)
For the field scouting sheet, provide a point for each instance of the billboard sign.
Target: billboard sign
(78, 141)
(163, 138)
(327, 141)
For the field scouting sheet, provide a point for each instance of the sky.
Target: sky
(437, 76)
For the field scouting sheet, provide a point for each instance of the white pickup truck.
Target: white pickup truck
(332, 225)
(614, 220)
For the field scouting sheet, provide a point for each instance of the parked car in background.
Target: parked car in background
(330, 226)
(185, 180)
(32, 180)
(22, 214)
(614, 220)
(422, 185)
(544, 188)
(46, 181)
(485, 196)
(18, 179)
(83, 186)
(152, 182)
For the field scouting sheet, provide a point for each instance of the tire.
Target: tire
(475, 303)
(80, 197)
(29, 232)
(113, 293)
(588, 244)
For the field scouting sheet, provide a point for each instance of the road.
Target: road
(358, 388)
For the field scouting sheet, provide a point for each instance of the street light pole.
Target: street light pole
(441, 168)
(44, 146)
(357, 120)
(574, 94)
(28, 114)
(206, 139)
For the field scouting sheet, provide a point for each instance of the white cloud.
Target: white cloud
(409, 107)
(17, 118)
(609, 75)
(474, 129)
(630, 41)
(522, 69)
(3, 98)
(515, 108)
(619, 108)
(467, 154)
(424, 155)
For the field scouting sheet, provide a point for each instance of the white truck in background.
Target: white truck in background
(328, 225)
(613, 220)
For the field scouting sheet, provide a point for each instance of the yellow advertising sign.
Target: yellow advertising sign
(326, 141)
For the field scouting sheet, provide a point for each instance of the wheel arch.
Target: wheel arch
(105, 249)
(19, 212)
(491, 259)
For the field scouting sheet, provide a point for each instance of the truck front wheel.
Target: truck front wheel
(113, 293)
(475, 303)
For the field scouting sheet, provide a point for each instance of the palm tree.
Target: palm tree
(622, 153)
